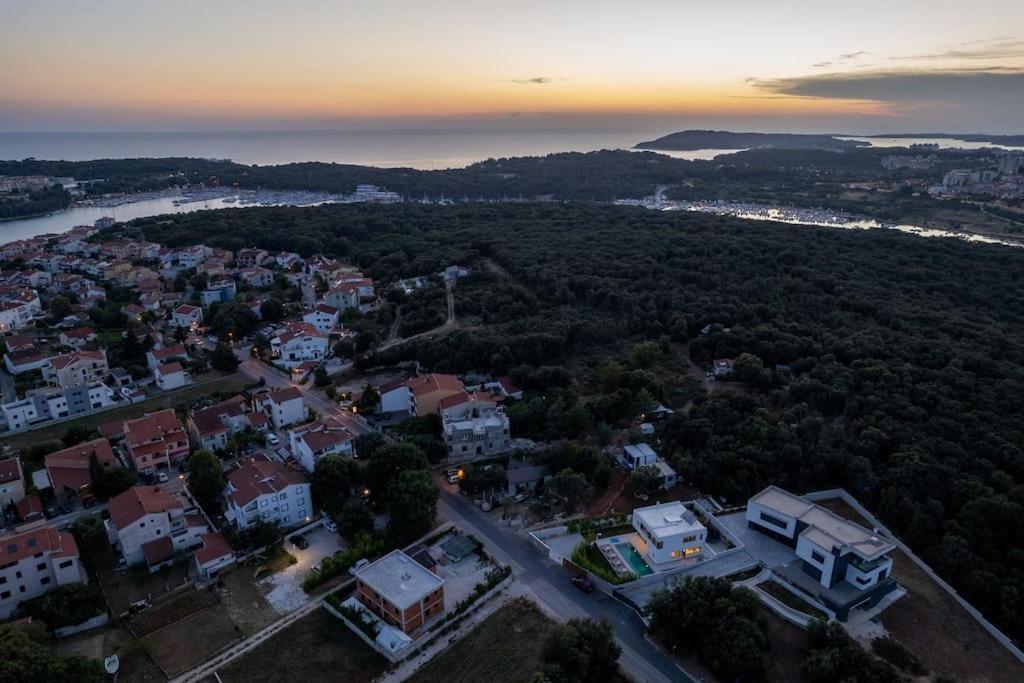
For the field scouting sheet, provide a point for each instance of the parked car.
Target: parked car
(316, 567)
(583, 583)
(161, 477)
(273, 440)
(299, 542)
(331, 526)
(357, 566)
(64, 509)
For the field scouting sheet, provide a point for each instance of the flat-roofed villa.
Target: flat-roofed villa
(668, 537)
(401, 591)
(839, 563)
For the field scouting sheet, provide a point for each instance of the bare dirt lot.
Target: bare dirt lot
(191, 641)
(135, 584)
(315, 648)
(933, 626)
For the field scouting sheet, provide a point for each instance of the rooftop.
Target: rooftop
(139, 501)
(667, 519)
(17, 546)
(782, 501)
(399, 579)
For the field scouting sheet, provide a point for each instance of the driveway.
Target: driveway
(284, 588)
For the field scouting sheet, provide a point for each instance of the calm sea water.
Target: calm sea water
(415, 149)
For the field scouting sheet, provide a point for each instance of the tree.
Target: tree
(481, 479)
(114, 481)
(260, 534)
(320, 377)
(413, 503)
(272, 310)
(223, 358)
(334, 476)
(369, 401)
(76, 434)
(644, 354)
(205, 476)
(90, 533)
(833, 656)
(387, 464)
(571, 486)
(25, 655)
(708, 617)
(747, 368)
(645, 480)
(367, 444)
(355, 516)
(580, 651)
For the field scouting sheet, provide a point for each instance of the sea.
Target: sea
(419, 149)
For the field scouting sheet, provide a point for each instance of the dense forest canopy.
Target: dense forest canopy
(888, 364)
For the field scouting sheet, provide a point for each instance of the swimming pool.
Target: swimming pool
(633, 559)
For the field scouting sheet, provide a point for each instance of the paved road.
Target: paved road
(550, 583)
(254, 369)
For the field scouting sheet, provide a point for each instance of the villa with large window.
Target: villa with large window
(668, 533)
(839, 563)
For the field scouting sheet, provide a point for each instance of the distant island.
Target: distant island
(689, 140)
(1008, 140)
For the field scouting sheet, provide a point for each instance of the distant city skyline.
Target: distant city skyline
(862, 67)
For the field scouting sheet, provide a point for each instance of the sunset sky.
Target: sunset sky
(865, 66)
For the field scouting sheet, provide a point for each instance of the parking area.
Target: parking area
(761, 547)
(284, 589)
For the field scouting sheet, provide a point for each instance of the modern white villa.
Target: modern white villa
(838, 563)
(669, 533)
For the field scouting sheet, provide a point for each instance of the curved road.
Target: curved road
(550, 583)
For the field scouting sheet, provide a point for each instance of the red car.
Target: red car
(583, 583)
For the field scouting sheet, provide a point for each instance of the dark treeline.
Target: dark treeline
(888, 364)
(47, 200)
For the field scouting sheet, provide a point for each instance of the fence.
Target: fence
(88, 624)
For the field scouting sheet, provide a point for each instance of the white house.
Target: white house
(264, 489)
(324, 318)
(257, 276)
(311, 442)
(642, 455)
(171, 376)
(36, 560)
(839, 563)
(282, 406)
(187, 316)
(219, 291)
(149, 525)
(668, 533)
(157, 357)
(299, 343)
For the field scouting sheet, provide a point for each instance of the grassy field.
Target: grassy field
(188, 395)
(315, 648)
(505, 648)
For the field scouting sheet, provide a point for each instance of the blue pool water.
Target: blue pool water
(633, 559)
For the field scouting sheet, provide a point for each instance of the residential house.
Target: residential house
(328, 436)
(55, 404)
(286, 260)
(29, 509)
(642, 455)
(149, 525)
(171, 376)
(245, 258)
(70, 470)
(34, 561)
(267, 490)
(187, 316)
(219, 291)
(839, 564)
(282, 406)
(133, 312)
(452, 273)
(214, 555)
(157, 357)
(299, 342)
(25, 360)
(212, 427)
(12, 484)
(474, 426)
(401, 591)
(523, 476)
(78, 337)
(257, 276)
(157, 440)
(668, 533)
(342, 297)
(324, 318)
(76, 368)
(723, 367)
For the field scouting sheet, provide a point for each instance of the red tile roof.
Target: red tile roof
(214, 548)
(139, 501)
(70, 468)
(153, 426)
(178, 350)
(157, 550)
(261, 476)
(170, 368)
(28, 506)
(10, 470)
(16, 547)
(427, 384)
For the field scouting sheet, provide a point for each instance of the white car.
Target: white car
(161, 477)
(273, 440)
(331, 526)
(357, 566)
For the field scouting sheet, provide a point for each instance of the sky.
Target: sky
(835, 66)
